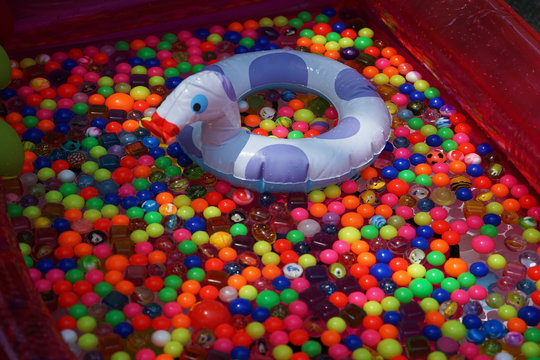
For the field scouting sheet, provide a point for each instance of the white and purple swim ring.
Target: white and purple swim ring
(202, 112)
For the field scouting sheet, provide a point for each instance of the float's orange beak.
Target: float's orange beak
(160, 127)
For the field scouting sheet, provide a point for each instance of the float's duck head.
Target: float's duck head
(206, 96)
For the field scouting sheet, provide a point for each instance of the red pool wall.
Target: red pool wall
(480, 50)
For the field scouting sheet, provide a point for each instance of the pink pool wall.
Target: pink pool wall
(481, 51)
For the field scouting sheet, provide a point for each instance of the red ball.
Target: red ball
(398, 187)
(66, 322)
(141, 322)
(209, 314)
(59, 165)
(66, 90)
(122, 175)
(89, 192)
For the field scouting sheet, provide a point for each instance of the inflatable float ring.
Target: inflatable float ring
(202, 112)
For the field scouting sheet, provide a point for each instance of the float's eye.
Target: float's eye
(199, 103)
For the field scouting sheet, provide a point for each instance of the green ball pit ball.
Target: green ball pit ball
(388, 348)
(88, 342)
(267, 299)
(454, 329)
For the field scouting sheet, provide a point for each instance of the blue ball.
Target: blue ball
(193, 261)
(173, 82)
(68, 64)
(262, 41)
(417, 96)
(144, 195)
(281, 283)
(61, 225)
(63, 116)
(494, 329)
(402, 164)
(112, 199)
(201, 34)
(405, 114)
(184, 160)
(440, 295)
(527, 286)
(434, 140)
(436, 102)
(240, 306)
(475, 170)
(388, 146)
(420, 242)
(156, 152)
(352, 342)
(432, 332)
(27, 111)
(464, 194)
(33, 135)
(406, 88)
(195, 224)
(150, 205)
(381, 271)
(529, 314)
(62, 128)
(123, 329)
(151, 142)
(240, 49)
(339, 27)
(417, 159)
(66, 264)
(129, 202)
(152, 310)
(232, 36)
(260, 314)
(152, 62)
(329, 11)
(42, 162)
(45, 265)
(233, 269)
(384, 256)
(484, 149)
(99, 122)
(425, 231)
(471, 322)
(425, 205)
(476, 336)
(401, 142)
(492, 219)
(389, 172)
(240, 353)
(479, 269)
(391, 317)
(7, 93)
(135, 61)
(158, 187)
(174, 149)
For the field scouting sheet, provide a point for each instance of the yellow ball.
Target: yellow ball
(381, 79)
(496, 261)
(167, 209)
(220, 239)
(42, 222)
(421, 85)
(373, 308)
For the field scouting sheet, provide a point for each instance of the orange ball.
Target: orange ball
(83, 249)
(117, 262)
(366, 210)
(191, 286)
(500, 190)
(455, 267)
(69, 238)
(318, 210)
(271, 272)
(154, 99)
(125, 287)
(350, 202)
(457, 167)
(120, 220)
(352, 219)
(423, 169)
(368, 173)
(186, 300)
(440, 179)
(296, 104)
(401, 278)
(130, 125)
(199, 205)
(120, 101)
(384, 210)
(516, 324)
(439, 245)
(339, 299)
(181, 321)
(157, 257)
(359, 246)
(227, 254)
(330, 337)
(236, 281)
(252, 120)
(96, 99)
(511, 205)
(388, 331)
(367, 258)
(113, 277)
(251, 273)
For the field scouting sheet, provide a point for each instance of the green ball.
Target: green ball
(11, 148)
(489, 230)
(135, 212)
(449, 145)
(74, 275)
(305, 16)
(287, 296)
(146, 53)
(16, 210)
(532, 334)
(295, 236)
(184, 67)
(86, 324)
(30, 121)
(169, 37)
(311, 348)
(424, 180)
(247, 42)
(105, 91)
(307, 33)
(28, 261)
(167, 294)
(94, 203)
(295, 134)
(450, 284)
(296, 23)
(115, 317)
(321, 18)
(88, 342)
(163, 162)
(421, 287)
(153, 217)
(173, 282)
(432, 92)
(238, 229)
(415, 123)
(171, 72)
(361, 354)
(68, 189)
(80, 108)
(530, 349)
(89, 142)
(103, 289)
(77, 311)
(141, 184)
(466, 280)
(436, 258)
(404, 295)
(445, 133)
(187, 247)
(362, 43)
(172, 171)
(196, 274)
(121, 45)
(164, 45)
(369, 232)
(388, 348)
(267, 299)
(454, 329)
(407, 175)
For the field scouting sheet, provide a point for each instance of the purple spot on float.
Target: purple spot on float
(227, 86)
(185, 138)
(278, 163)
(349, 84)
(282, 68)
(346, 128)
(214, 68)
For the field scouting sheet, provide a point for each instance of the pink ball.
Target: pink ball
(55, 275)
(508, 180)
(79, 70)
(132, 309)
(375, 294)
(460, 296)
(163, 55)
(390, 199)
(90, 298)
(299, 308)
(191, 42)
(90, 50)
(382, 63)
(249, 33)
(402, 131)
(151, 40)
(94, 277)
(440, 168)
(329, 256)
(124, 68)
(195, 60)
(405, 212)
(338, 351)
(299, 214)
(468, 349)
(461, 138)
(216, 29)
(144, 247)
(438, 213)
(407, 231)
(337, 207)
(482, 244)
(80, 98)
(59, 56)
(180, 235)
(292, 322)
(300, 126)
(341, 246)
(519, 190)
(482, 357)
(102, 251)
(43, 114)
(121, 78)
(300, 284)
(43, 285)
(91, 76)
(534, 212)
(126, 190)
(331, 113)
(155, 71)
(184, 35)
(145, 354)
(222, 187)
(370, 337)
(357, 298)
(24, 91)
(475, 222)
(472, 158)
(349, 187)
(194, 50)
(459, 226)
(399, 99)
(224, 345)
(285, 111)
(280, 132)
(402, 153)
(171, 309)
(146, 160)
(279, 338)
(477, 292)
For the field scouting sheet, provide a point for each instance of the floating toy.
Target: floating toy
(203, 113)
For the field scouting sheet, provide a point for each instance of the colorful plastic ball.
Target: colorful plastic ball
(479, 269)
(208, 314)
(388, 348)
(483, 244)
(432, 332)
(454, 329)
(530, 314)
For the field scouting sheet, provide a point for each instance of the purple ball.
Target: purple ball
(349, 53)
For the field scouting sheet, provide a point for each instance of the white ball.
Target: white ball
(160, 338)
(228, 294)
(309, 227)
(503, 356)
(66, 176)
(69, 336)
(413, 76)
(243, 105)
